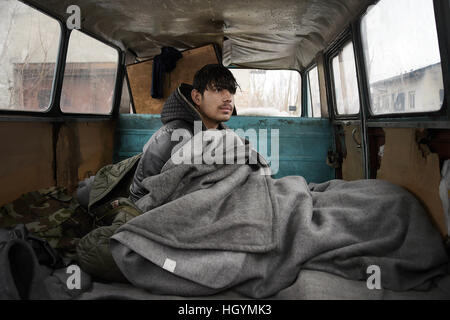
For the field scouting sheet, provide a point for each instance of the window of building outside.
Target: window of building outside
(412, 100)
(29, 44)
(268, 92)
(345, 81)
(402, 55)
(385, 101)
(89, 76)
(313, 91)
(399, 101)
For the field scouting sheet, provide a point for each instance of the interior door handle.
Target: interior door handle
(358, 144)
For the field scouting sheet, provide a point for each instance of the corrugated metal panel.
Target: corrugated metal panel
(303, 143)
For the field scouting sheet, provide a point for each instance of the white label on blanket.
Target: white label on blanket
(169, 265)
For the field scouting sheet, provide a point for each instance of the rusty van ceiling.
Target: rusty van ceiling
(265, 34)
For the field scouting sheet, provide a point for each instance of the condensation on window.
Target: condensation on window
(313, 93)
(89, 76)
(345, 81)
(402, 57)
(268, 92)
(29, 44)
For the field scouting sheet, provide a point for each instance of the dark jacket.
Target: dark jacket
(178, 112)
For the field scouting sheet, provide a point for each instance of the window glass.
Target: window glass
(313, 93)
(29, 44)
(268, 92)
(345, 81)
(89, 76)
(402, 57)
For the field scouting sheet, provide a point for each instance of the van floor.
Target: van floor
(310, 285)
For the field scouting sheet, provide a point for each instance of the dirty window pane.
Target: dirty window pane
(268, 92)
(89, 76)
(345, 81)
(402, 57)
(313, 94)
(29, 43)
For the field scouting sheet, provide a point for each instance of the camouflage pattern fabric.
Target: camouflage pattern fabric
(50, 214)
(53, 215)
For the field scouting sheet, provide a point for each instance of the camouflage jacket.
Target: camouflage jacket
(50, 214)
(53, 215)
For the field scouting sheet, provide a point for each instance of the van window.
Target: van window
(402, 57)
(89, 76)
(346, 92)
(313, 93)
(268, 92)
(29, 44)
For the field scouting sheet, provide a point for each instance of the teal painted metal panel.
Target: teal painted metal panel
(302, 148)
(132, 132)
(303, 143)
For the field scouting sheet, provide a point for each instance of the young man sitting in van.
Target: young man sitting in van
(210, 100)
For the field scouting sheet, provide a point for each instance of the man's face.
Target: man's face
(215, 105)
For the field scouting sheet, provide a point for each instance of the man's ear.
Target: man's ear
(196, 96)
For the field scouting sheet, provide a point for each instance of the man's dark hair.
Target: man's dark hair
(214, 76)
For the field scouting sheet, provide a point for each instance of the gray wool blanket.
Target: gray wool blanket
(215, 226)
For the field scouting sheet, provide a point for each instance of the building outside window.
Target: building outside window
(412, 100)
(399, 101)
(402, 54)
